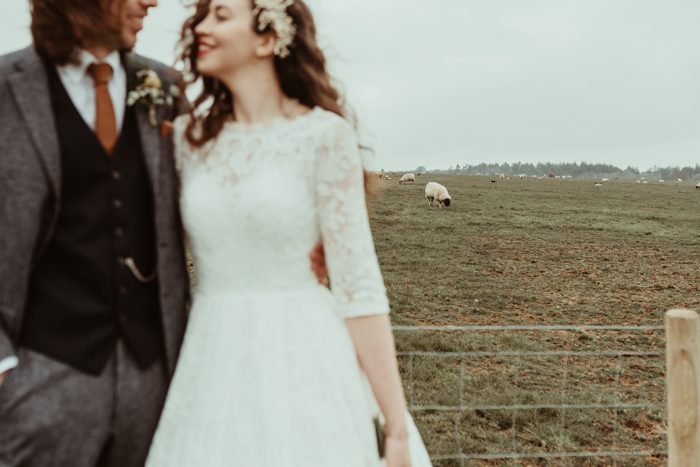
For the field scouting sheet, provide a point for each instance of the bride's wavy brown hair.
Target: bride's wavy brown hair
(302, 75)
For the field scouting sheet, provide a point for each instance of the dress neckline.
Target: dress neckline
(280, 120)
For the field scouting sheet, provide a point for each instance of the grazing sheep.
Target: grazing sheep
(435, 191)
(493, 181)
(697, 187)
(605, 180)
(598, 184)
(407, 178)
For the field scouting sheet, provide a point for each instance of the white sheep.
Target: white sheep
(407, 178)
(435, 191)
(697, 187)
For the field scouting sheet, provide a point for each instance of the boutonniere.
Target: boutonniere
(149, 93)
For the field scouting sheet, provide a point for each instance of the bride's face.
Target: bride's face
(226, 39)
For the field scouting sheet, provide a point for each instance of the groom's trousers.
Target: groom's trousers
(52, 415)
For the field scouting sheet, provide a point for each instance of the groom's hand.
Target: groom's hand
(318, 263)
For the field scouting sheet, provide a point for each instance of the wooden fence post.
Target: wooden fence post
(683, 384)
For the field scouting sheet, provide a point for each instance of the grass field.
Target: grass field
(539, 252)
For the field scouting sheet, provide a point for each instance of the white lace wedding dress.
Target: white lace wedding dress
(268, 375)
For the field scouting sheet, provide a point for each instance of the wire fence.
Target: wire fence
(454, 407)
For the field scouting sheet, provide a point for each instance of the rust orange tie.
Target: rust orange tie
(105, 121)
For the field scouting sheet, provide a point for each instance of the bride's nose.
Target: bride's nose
(203, 28)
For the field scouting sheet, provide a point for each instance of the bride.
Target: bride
(274, 367)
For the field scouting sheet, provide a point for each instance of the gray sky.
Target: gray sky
(446, 82)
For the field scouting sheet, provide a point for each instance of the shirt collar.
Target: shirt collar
(76, 72)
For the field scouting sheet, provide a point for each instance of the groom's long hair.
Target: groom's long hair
(60, 27)
(302, 76)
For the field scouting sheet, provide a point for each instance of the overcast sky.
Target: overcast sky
(445, 82)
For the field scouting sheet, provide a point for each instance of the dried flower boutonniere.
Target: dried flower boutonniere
(149, 93)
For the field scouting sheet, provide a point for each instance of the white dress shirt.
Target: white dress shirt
(8, 363)
(81, 90)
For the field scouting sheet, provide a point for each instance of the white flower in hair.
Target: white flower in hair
(273, 13)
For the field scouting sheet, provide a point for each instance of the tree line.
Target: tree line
(573, 169)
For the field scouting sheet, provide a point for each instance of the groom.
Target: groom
(93, 284)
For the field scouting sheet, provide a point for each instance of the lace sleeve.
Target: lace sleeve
(356, 280)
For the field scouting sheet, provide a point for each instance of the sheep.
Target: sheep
(597, 184)
(435, 191)
(697, 187)
(407, 178)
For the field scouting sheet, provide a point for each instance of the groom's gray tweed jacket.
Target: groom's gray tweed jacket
(30, 189)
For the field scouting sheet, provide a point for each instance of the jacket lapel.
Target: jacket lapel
(30, 88)
(150, 136)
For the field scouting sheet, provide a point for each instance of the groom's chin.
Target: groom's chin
(128, 42)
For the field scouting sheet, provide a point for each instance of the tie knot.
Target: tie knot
(100, 72)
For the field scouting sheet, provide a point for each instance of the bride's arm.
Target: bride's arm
(374, 344)
(353, 269)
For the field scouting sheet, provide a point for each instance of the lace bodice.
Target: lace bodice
(258, 198)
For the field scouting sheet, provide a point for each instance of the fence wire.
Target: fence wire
(615, 453)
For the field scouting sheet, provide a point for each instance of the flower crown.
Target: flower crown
(273, 13)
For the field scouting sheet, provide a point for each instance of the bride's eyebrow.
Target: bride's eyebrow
(218, 8)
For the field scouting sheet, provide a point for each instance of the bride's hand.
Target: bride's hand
(396, 451)
(318, 263)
